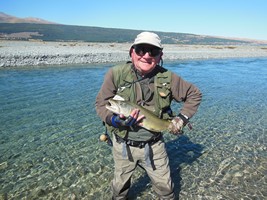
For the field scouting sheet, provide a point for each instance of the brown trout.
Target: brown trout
(150, 122)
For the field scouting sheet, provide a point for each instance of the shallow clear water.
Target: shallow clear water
(49, 134)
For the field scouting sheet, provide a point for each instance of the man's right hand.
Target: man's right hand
(133, 119)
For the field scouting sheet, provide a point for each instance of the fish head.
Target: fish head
(119, 107)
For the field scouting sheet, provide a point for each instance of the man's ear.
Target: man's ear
(131, 51)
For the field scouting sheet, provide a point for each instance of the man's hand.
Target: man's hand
(176, 126)
(133, 119)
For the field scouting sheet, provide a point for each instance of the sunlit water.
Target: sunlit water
(49, 134)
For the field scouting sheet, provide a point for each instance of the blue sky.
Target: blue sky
(229, 18)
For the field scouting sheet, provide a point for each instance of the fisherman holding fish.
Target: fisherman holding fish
(134, 102)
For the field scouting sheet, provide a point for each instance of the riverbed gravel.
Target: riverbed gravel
(40, 53)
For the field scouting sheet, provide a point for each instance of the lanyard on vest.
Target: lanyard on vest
(128, 84)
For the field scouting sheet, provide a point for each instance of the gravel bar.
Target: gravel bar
(40, 53)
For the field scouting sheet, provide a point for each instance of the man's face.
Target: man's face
(145, 57)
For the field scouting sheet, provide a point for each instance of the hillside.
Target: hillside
(14, 28)
(57, 32)
(4, 18)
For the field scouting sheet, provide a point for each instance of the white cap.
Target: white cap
(148, 38)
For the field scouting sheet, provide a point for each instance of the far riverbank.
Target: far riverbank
(35, 53)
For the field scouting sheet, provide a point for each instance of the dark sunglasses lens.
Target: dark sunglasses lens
(154, 52)
(141, 51)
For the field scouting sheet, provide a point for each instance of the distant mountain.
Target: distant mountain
(4, 18)
(13, 28)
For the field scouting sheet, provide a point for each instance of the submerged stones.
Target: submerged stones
(3, 165)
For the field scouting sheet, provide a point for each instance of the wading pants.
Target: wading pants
(124, 168)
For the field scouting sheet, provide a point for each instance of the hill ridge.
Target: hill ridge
(13, 28)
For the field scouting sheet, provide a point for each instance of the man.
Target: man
(145, 82)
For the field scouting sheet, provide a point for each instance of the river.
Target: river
(49, 134)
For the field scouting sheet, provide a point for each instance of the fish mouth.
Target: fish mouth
(113, 106)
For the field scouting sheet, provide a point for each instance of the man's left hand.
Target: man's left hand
(176, 126)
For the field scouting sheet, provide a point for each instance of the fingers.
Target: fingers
(140, 118)
(176, 127)
(132, 119)
(122, 116)
(135, 114)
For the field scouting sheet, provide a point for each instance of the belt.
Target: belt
(140, 144)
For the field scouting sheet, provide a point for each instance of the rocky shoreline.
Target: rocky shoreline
(39, 53)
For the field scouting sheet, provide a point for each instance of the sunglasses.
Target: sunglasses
(142, 50)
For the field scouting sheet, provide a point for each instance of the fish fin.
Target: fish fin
(118, 98)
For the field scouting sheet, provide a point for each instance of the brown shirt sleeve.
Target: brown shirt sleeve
(107, 91)
(189, 94)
